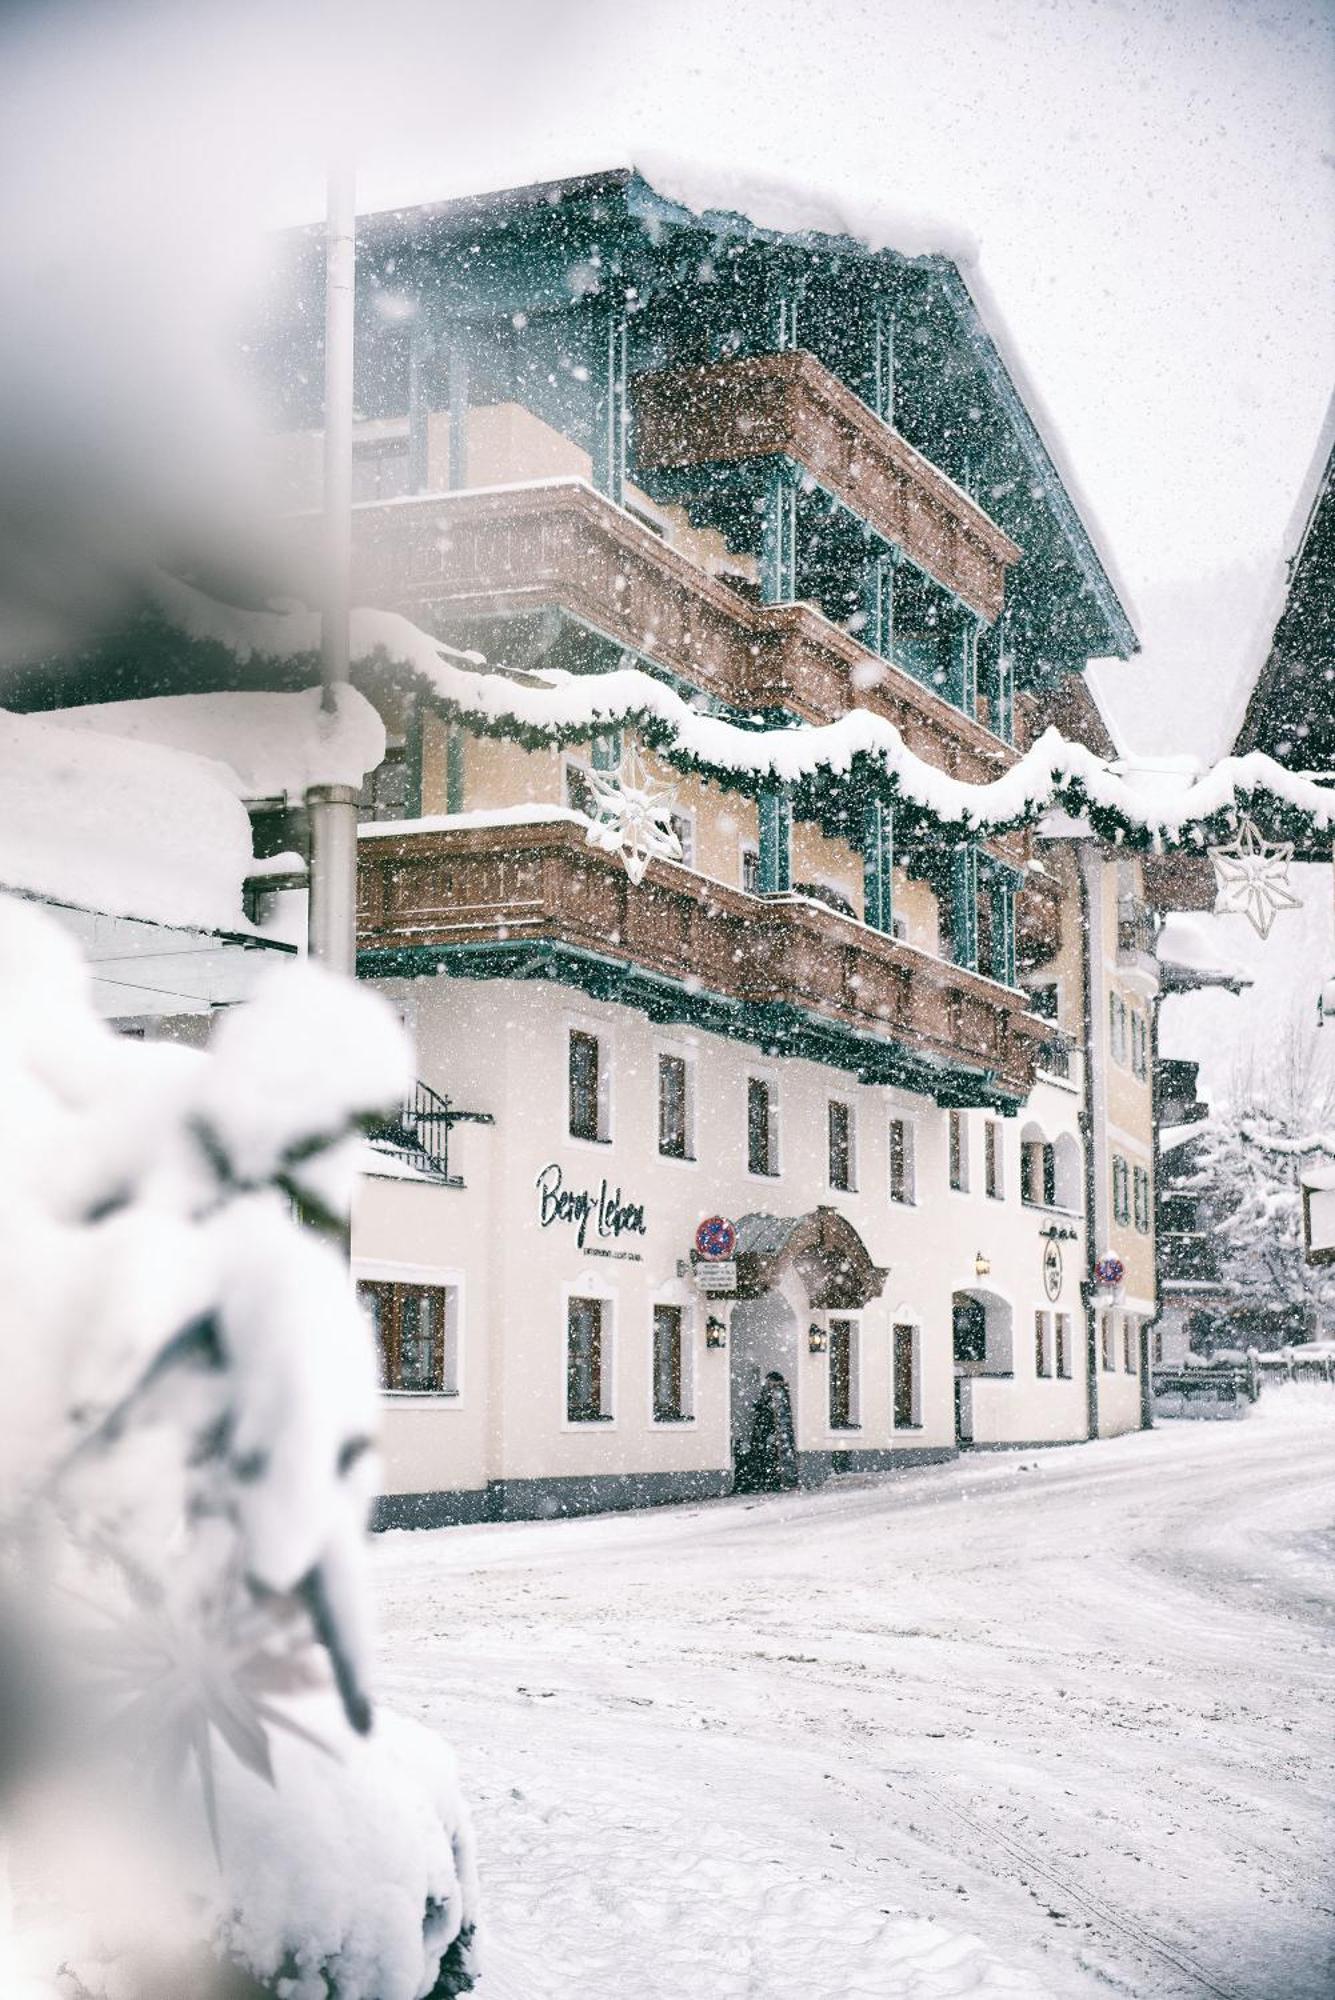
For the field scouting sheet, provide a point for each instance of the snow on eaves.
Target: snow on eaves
(558, 707)
(123, 828)
(1187, 944)
(276, 744)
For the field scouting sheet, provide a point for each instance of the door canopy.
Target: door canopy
(824, 1249)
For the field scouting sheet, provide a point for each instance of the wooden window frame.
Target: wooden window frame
(907, 1150)
(843, 1371)
(391, 1295)
(680, 1412)
(848, 1144)
(599, 1135)
(687, 1134)
(577, 1416)
(754, 1086)
(904, 1393)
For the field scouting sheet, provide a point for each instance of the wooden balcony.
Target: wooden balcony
(506, 551)
(536, 900)
(788, 405)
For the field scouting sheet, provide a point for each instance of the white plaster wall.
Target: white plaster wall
(501, 1046)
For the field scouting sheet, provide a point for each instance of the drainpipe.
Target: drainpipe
(1146, 1331)
(1088, 1130)
(332, 809)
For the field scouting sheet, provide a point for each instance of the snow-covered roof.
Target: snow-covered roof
(276, 744)
(123, 828)
(1172, 1137)
(1195, 955)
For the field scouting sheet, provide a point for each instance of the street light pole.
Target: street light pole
(332, 809)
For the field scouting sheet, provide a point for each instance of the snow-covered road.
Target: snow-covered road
(1051, 1723)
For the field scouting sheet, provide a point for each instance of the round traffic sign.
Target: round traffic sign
(716, 1237)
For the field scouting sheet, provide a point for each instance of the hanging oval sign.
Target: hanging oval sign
(716, 1237)
(1052, 1268)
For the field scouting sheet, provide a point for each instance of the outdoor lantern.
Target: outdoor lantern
(716, 1333)
(982, 1265)
(817, 1339)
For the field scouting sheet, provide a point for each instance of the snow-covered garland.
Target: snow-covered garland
(549, 708)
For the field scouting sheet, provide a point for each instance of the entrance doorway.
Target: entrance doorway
(762, 1335)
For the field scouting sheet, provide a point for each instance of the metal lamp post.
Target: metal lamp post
(332, 809)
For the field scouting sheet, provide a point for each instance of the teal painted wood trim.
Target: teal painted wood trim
(609, 376)
(456, 754)
(878, 634)
(963, 879)
(412, 760)
(774, 813)
(777, 1027)
(605, 751)
(878, 865)
(882, 396)
(778, 540)
(458, 369)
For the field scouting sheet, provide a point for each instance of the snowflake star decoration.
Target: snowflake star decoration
(632, 816)
(1253, 878)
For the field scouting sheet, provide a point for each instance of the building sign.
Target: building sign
(1052, 1268)
(717, 1274)
(605, 1210)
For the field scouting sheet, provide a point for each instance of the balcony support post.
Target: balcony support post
(962, 648)
(879, 633)
(778, 538)
(882, 371)
(457, 367)
(611, 356)
(774, 812)
(421, 349)
(878, 865)
(963, 892)
(1002, 883)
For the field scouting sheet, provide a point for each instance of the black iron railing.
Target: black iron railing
(420, 1132)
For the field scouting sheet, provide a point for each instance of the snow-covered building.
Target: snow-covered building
(682, 484)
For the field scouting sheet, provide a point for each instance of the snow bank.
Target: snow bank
(276, 744)
(130, 829)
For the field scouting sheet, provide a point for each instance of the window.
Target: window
(671, 1400)
(1117, 1028)
(1038, 1173)
(1141, 1186)
(840, 1117)
(969, 1328)
(683, 825)
(901, 1161)
(1140, 1044)
(1042, 1343)
(993, 1157)
(843, 1375)
(1121, 1189)
(1062, 1336)
(762, 1132)
(751, 870)
(1158, 1345)
(379, 468)
(675, 1108)
(384, 794)
(586, 1362)
(1043, 1001)
(906, 1405)
(417, 1333)
(579, 792)
(588, 1088)
(1129, 1344)
(1109, 1344)
(959, 1152)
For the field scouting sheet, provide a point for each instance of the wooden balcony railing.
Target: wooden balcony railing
(767, 405)
(516, 549)
(470, 890)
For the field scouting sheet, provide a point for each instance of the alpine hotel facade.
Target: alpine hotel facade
(786, 478)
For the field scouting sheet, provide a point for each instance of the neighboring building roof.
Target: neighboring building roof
(277, 745)
(124, 829)
(1191, 958)
(1290, 690)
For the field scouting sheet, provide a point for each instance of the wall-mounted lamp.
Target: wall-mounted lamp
(716, 1332)
(982, 1265)
(817, 1339)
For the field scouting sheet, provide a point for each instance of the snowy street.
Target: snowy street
(1036, 1723)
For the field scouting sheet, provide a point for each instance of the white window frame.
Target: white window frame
(854, 1163)
(448, 1278)
(771, 1082)
(854, 1321)
(682, 1053)
(689, 1308)
(915, 1400)
(590, 1286)
(909, 1199)
(598, 1030)
(964, 1186)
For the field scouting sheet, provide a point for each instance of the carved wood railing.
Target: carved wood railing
(481, 886)
(769, 405)
(508, 550)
